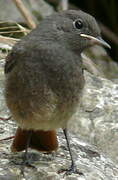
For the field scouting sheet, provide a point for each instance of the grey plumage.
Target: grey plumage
(44, 75)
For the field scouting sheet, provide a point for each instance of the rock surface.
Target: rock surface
(97, 120)
(95, 123)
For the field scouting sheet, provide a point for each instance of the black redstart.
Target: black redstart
(44, 78)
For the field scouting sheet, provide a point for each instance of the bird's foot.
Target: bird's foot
(72, 169)
(25, 163)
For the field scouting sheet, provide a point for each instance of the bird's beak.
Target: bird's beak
(96, 40)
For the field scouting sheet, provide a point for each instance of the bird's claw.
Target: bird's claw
(70, 171)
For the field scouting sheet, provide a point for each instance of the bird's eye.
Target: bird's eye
(78, 23)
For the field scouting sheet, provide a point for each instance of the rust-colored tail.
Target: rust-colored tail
(45, 141)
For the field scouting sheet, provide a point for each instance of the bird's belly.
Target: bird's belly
(45, 117)
(41, 109)
(50, 119)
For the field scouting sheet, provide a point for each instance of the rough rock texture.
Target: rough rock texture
(95, 123)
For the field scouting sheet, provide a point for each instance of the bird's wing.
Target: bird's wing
(10, 63)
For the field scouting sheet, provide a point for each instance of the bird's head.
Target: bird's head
(76, 30)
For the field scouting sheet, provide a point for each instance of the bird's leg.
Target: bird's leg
(25, 157)
(72, 168)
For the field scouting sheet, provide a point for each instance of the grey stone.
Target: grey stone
(97, 119)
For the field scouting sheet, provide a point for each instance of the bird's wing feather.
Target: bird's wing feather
(10, 63)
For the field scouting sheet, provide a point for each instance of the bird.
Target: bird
(45, 78)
